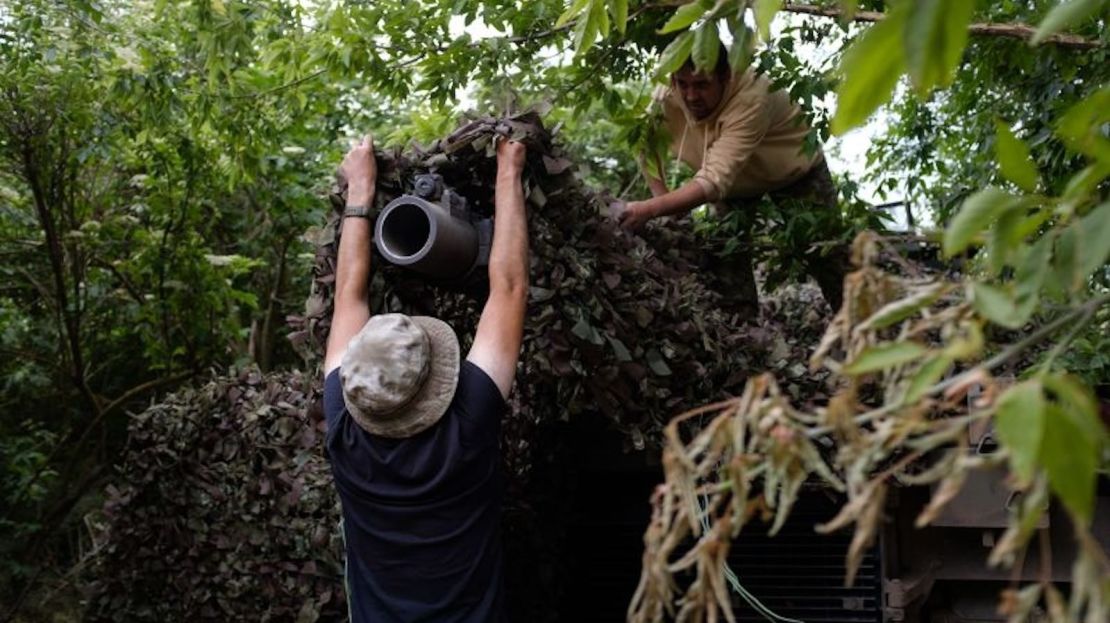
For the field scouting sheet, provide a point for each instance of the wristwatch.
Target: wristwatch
(362, 211)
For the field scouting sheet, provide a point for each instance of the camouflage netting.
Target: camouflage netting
(627, 327)
(224, 507)
(223, 510)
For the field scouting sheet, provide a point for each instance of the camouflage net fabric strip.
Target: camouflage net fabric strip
(223, 509)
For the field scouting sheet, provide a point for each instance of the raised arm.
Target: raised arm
(352, 268)
(501, 328)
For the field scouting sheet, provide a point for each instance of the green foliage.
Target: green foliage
(1020, 425)
(1066, 438)
(936, 40)
(883, 356)
(686, 15)
(936, 151)
(925, 39)
(765, 11)
(931, 371)
(1049, 423)
(979, 211)
(25, 480)
(1088, 356)
(783, 228)
(706, 48)
(1014, 159)
(1074, 440)
(1066, 14)
(593, 16)
(156, 174)
(676, 53)
(871, 69)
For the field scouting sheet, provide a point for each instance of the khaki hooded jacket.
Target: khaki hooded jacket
(750, 145)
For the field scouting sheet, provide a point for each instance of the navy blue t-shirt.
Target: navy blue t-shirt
(422, 515)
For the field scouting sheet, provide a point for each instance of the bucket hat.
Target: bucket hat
(399, 373)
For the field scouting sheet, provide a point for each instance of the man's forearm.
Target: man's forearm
(679, 201)
(352, 270)
(508, 259)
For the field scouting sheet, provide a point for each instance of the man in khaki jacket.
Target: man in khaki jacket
(745, 141)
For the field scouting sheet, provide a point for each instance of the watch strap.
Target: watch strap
(362, 211)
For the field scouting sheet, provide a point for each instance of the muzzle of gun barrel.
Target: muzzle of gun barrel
(425, 237)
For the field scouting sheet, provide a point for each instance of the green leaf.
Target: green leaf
(935, 38)
(1070, 457)
(573, 10)
(883, 356)
(619, 349)
(1078, 399)
(619, 9)
(968, 344)
(1030, 276)
(656, 363)
(1033, 506)
(585, 331)
(1086, 181)
(1065, 273)
(996, 305)
(899, 310)
(1081, 126)
(602, 16)
(1009, 233)
(1014, 159)
(723, 9)
(765, 11)
(1004, 241)
(676, 54)
(1064, 15)
(926, 376)
(1081, 249)
(870, 69)
(1093, 249)
(685, 15)
(740, 54)
(978, 211)
(848, 9)
(1019, 420)
(707, 47)
(586, 31)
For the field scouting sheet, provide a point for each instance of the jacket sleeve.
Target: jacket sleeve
(740, 135)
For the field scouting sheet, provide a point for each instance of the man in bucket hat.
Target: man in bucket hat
(413, 433)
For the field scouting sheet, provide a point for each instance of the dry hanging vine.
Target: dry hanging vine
(758, 450)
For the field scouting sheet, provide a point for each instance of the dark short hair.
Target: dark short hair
(722, 69)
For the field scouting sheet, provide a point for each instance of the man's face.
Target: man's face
(701, 92)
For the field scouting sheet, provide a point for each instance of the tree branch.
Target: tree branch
(1007, 354)
(143, 387)
(125, 283)
(1014, 31)
(282, 87)
(120, 401)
